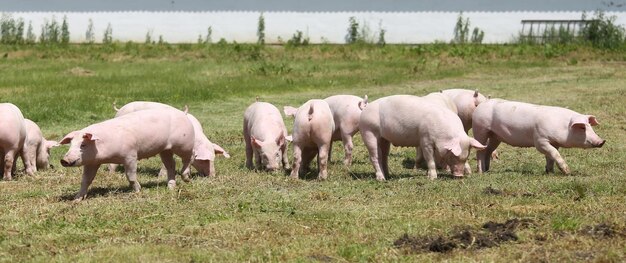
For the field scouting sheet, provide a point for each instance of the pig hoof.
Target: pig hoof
(78, 199)
(136, 187)
(186, 178)
(171, 184)
(380, 179)
(7, 178)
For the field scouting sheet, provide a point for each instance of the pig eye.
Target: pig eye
(82, 146)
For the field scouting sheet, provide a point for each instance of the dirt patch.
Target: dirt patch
(491, 234)
(78, 71)
(603, 231)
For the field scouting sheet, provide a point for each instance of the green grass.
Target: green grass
(246, 216)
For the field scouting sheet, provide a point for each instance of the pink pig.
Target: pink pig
(313, 128)
(528, 125)
(128, 138)
(265, 135)
(36, 147)
(466, 102)
(12, 137)
(346, 111)
(204, 149)
(411, 121)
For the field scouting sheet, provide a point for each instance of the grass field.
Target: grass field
(243, 215)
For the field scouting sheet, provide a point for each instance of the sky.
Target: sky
(310, 6)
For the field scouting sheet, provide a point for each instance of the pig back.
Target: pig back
(263, 121)
(346, 113)
(406, 119)
(148, 132)
(12, 129)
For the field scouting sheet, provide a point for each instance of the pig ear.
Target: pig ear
(476, 144)
(255, 142)
(290, 111)
(475, 93)
(363, 103)
(68, 138)
(593, 121)
(204, 153)
(90, 136)
(50, 144)
(289, 138)
(580, 121)
(219, 150)
(454, 145)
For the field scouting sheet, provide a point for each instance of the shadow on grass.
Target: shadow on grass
(104, 191)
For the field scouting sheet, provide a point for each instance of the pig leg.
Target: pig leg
(257, 160)
(170, 166)
(249, 151)
(162, 171)
(549, 165)
(308, 154)
(322, 162)
(112, 168)
(212, 168)
(9, 157)
(330, 152)
(297, 159)
(29, 162)
(384, 146)
(553, 153)
(89, 173)
(346, 138)
(283, 152)
(130, 168)
(418, 157)
(186, 169)
(371, 143)
(428, 153)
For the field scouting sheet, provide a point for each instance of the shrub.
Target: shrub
(89, 35)
(298, 40)
(11, 30)
(461, 32)
(260, 31)
(602, 32)
(65, 32)
(108, 35)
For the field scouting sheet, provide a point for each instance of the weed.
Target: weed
(260, 30)
(298, 40)
(107, 37)
(90, 35)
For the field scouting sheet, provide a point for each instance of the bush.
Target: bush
(108, 35)
(298, 40)
(461, 32)
(11, 30)
(602, 32)
(260, 31)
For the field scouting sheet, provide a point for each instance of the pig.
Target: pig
(446, 102)
(411, 121)
(12, 137)
(129, 138)
(265, 136)
(36, 147)
(466, 102)
(204, 149)
(522, 124)
(313, 128)
(346, 111)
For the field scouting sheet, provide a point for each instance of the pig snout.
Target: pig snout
(598, 145)
(67, 163)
